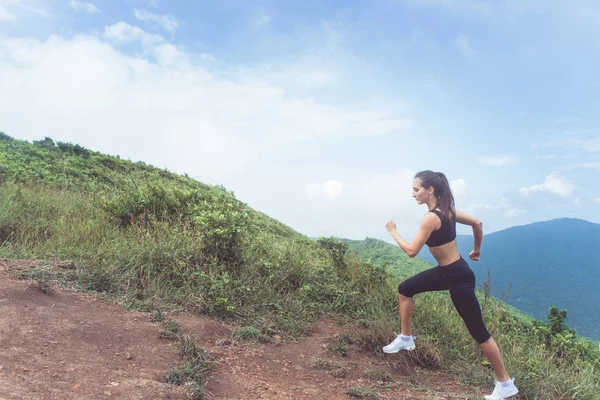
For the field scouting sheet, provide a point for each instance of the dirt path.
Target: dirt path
(67, 345)
(313, 368)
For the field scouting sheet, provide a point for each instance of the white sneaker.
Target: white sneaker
(501, 392)
(399, 344)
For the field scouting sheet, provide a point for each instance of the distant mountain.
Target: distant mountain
(547, 263)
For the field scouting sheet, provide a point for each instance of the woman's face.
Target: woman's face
(419, 192)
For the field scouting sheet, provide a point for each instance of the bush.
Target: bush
(152, 202)
(561, 341)
(73, 149)
(336, 250)
(47, 143)
(222, 224)
(5, 137)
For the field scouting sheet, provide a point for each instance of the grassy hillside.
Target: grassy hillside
(155, 240)
(67, 166)
(544, 263)
(388, 256)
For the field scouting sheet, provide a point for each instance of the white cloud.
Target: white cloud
(163, 106)
(167, 22)
(498, 161)
(166, 54)
(8, 9)
(459, 188)
(597, 200)
(463, 45)
(553, 184)
(329, 189)
(264, 19)
(122, 32)
(5, 13)
(333, 189)
(85, 7)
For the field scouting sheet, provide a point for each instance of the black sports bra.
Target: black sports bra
(445, 234)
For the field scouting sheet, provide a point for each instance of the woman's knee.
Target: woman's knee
(483, 341)
(481, 335)
(404, 289)
(468, 308)
(476, 327)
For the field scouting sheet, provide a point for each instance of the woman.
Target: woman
(438, 232)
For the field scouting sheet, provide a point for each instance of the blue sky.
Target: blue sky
(319, 113)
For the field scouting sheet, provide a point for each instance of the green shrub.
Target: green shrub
(562, 342)
(73, 149)
(151, 202)
(336, 250)
(222, 224)
(46, 142)
(5, 137)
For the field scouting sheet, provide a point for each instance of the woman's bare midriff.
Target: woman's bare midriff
(445, 254)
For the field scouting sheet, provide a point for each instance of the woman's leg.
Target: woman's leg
(505, 387)
(426, 281)
(462, 293)
(407, 305)
(492, 353)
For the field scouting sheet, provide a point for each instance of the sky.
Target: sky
(319, 113)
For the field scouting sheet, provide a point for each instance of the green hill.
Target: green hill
(154, 240)
(68, 166)
(388, 256)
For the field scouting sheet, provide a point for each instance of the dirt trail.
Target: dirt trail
(68, 345)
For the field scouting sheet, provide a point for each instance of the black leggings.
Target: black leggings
(460, 280)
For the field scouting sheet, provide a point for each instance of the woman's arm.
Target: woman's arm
(477, 225)
(429, 223)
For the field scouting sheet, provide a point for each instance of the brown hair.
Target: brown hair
(445, 199)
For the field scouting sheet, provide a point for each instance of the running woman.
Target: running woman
(438, 232)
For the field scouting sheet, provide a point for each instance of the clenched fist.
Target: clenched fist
(390, 226)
